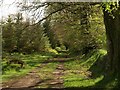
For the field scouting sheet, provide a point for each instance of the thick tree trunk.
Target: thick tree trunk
(110, 35)
(112, 26)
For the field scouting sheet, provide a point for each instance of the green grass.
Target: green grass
(10, 74)
(79, 81)
(77, 70)
(31, 61)
(46, 71)
(76, 76)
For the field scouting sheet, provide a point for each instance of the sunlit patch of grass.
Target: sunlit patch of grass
(73, 65)
(73, 78)
(31, 61)
(80, 82)
(92, 57)
(49, 67)
(76, 81)
(86, 61)
(12, 73)
(46, 72)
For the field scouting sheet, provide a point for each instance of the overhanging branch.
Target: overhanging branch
(48, 16)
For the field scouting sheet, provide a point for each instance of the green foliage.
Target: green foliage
(77, 27)
(58, 49)
(68, 32)
(80, 30)
(111, 7)
(51, 50)
(50, 34)
(19, 36)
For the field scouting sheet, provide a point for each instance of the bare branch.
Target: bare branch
(49, 15)
(58, 10)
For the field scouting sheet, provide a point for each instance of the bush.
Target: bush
(51, 50)
(58, 49)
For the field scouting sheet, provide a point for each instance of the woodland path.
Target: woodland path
(34, 80)
(49, 74)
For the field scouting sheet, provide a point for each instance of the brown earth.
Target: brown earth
(33, 79)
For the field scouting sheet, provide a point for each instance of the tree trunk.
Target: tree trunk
(112, 26)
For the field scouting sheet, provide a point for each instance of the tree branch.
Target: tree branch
(48, 16)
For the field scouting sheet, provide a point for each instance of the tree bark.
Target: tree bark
(112, 26)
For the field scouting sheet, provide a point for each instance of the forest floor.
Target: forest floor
(42, 77)
(59, 72)
(49, 74)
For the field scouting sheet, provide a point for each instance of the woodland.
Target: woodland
(62, 45)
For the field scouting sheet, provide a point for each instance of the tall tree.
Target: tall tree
(18, 26)
(112, 24)
(8, 35)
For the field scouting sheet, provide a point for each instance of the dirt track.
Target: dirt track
(33, 79)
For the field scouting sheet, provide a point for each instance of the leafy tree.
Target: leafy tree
(76, 25)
